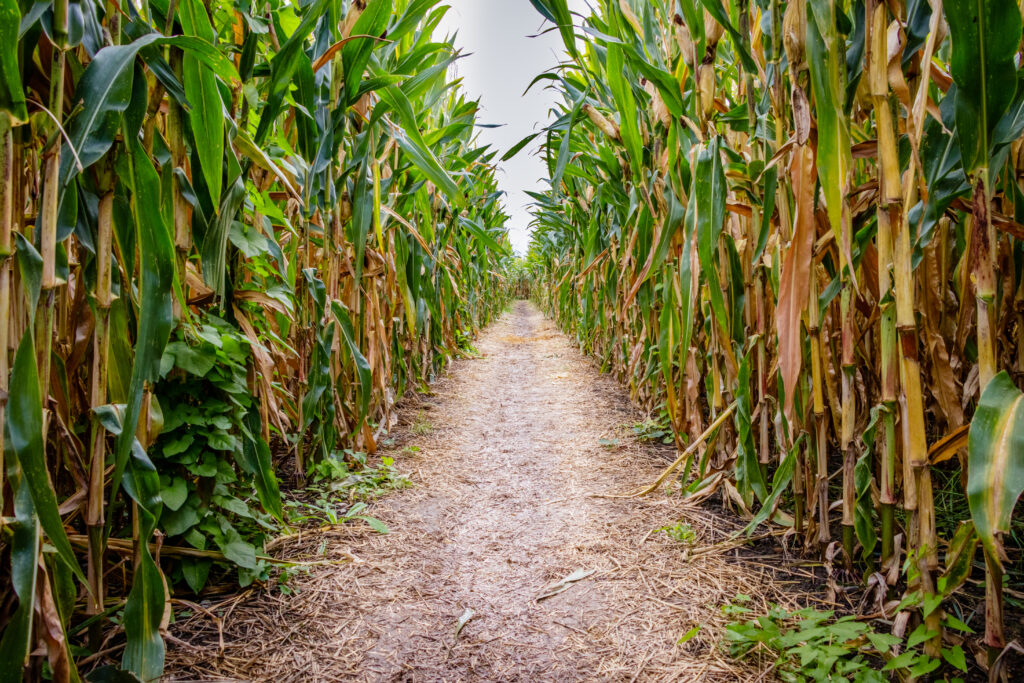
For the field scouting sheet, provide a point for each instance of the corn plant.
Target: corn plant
(233, 235)
(805, 215)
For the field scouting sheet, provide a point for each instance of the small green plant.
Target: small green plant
(347, 471)
(284, 578)
(421, 425)
(464, 341)
(680, 532)
(328, 510)
(338, 480)
(653, 431)
(811, 645)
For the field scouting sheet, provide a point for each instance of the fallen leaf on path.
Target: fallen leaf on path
(565, 583)
(686, 637)
(463, 620)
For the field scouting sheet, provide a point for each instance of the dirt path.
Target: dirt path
(512, 445)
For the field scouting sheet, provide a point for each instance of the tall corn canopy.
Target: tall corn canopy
(806, 218)
(232, 232)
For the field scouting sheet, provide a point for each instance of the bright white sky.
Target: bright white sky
(501, 66)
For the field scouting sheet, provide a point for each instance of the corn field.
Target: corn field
(801, 222)
(233, 235)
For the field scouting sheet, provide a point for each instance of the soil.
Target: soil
(509, 458)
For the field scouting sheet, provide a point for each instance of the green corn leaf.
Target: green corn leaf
(214, 249)
(518, 147)
(668, 327)
(665, 82)
(985, 35)
(557, 12)
(12, 94)
(826, 58)
(24, 543)
(283, 66)
(362, 218)
(207, 112)
(305, 95)
(693, 17)
(255, 459)
(362, 366)
(401, 275)
(995, 471)
(204, 49)
(625, 102)
(144, 610)
(30, 268)
(410, 18)
(156, 260)
(780, 484)
(771, 177)
(864, 523)
(749, 478)
(318, 376)
(564, 144)
(25, 428)
(483, 235)
(688, 293)
(709, 219)
(356, 54)
(413, 144)
(104, 92)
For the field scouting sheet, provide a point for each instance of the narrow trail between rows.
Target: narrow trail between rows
(511, 447)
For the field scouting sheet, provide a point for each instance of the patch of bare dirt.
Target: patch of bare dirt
(513, 446)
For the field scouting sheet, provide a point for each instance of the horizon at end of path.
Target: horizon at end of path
(515, 448)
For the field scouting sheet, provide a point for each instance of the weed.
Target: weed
(681, 532)
(347, 471)
(421, 425)
(339, 480)
(326, 510)
(812, 645)
(464, 342)
(653, 431)
(284, 578)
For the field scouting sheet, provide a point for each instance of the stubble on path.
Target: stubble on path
(513, 445)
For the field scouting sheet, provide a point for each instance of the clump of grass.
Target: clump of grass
(421, 426)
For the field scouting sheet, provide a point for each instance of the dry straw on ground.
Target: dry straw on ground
(513, 445)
